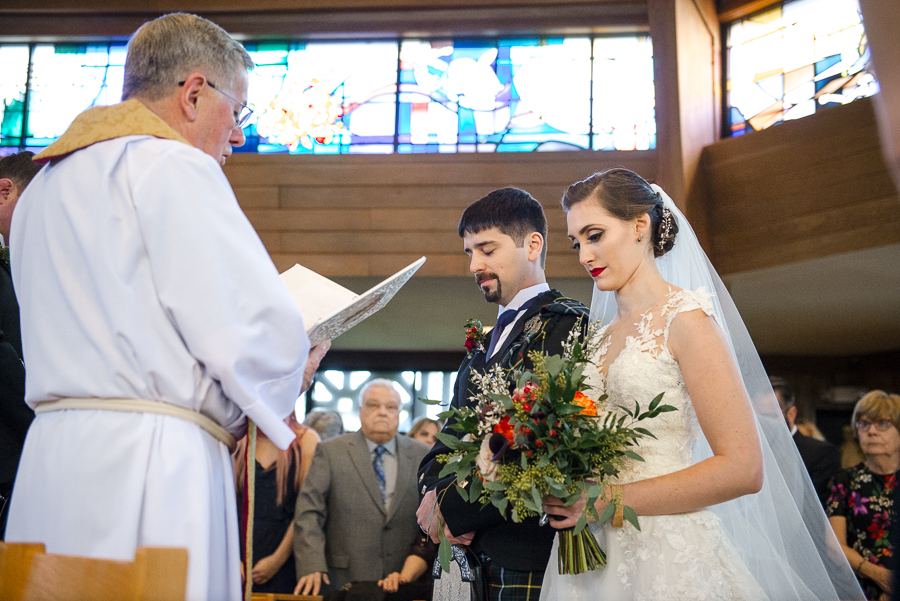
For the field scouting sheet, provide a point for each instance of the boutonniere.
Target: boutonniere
(474, 336)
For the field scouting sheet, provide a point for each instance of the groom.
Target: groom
(505, 236)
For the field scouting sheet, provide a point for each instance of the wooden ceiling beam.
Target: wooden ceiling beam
(732, 10)
(395, 19)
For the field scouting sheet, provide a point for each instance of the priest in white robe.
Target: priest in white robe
(153, 320)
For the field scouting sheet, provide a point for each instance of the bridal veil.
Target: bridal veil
(781, 533)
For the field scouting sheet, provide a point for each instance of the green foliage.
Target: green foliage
(563, 444)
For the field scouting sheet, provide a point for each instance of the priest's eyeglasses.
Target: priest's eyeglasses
(240, 119)
(881, 426)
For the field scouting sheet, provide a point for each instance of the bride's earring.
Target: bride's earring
(640, 237)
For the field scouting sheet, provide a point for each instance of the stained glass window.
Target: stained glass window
(790, 61)
(64, 81)
(404, 96)
(508, 96)
(323, 98)
(339, 391)
(13, 80)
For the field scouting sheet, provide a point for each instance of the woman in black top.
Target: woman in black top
(279, 476)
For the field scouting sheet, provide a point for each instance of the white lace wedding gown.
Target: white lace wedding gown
(672, 557)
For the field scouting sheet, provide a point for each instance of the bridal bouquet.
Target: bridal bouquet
(543, 438)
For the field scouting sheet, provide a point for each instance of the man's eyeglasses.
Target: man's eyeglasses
(243, 115)
(881, 426)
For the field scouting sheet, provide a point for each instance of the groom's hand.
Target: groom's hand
(430, 521)
(311, 583)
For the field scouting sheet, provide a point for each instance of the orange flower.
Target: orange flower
(582, 399)
(505, 428)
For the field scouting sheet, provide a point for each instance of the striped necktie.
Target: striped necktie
(378, 464)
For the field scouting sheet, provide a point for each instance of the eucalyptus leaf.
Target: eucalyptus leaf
(523, 379)
(425, 401)
(607, 513)
(580, 524)
(629, 514)
(475, 489)
(449, 440)
(554, 365)
(444, 552)
(461, 475)
(463, 493)
(449, 468)
(645, 432)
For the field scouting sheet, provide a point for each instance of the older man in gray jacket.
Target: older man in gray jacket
(356, 513)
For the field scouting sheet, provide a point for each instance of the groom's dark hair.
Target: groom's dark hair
(514, 212)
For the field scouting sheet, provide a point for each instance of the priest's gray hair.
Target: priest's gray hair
(167, 50)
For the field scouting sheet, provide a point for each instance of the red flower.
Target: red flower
(470, 344)
(505, 428)
(529, 453)
(553, 433)
(538, 443)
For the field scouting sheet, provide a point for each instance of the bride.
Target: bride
(725, 506)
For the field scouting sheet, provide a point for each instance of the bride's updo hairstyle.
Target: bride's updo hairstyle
(626, 195)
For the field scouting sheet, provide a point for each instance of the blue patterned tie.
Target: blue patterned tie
(377, 463)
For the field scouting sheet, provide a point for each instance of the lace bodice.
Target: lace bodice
(644, 368)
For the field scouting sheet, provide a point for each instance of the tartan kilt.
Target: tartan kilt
(512, 585)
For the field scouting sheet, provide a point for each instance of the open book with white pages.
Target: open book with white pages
(329, 309)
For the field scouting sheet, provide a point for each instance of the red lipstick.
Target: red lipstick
(597, 271)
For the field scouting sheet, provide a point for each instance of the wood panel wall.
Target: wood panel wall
(372, 215)
(686, 42)
(804, 189)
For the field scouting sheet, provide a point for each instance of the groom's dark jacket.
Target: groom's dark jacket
(525, 546)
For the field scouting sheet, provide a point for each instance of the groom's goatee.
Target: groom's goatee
(491, 296)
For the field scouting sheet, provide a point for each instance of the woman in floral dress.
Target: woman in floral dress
(860, 503)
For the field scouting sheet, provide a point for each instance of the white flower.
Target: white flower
(489, 469)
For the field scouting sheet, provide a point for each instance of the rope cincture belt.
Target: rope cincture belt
(141, 406)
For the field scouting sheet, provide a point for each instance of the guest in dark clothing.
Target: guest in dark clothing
(860, 505)
(279, 476)
(16, 172)
(822, 459)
